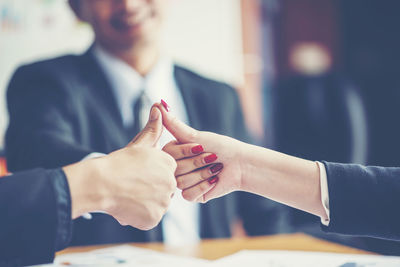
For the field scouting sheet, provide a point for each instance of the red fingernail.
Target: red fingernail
(197, 149)
(210, 158)
(165, 105)
(213, 180)
(216, 168)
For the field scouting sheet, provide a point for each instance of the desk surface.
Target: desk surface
(215, 249)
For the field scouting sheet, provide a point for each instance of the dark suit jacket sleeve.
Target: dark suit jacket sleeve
(41, 131)
(364, 200)
(35, 216)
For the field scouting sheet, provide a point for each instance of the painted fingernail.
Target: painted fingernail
(213, 180)
(197, 149)
(216, 168)
(210, 158)
(165, 105)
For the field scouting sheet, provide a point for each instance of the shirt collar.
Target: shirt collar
(124, 80)
(127, 84)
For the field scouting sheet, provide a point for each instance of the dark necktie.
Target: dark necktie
(141, 109)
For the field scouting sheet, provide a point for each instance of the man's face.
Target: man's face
(122, 23)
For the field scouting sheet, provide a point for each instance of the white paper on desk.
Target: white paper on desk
(258, 258)
(126, 255)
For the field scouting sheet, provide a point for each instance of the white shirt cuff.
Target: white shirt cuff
(324, 192)
(93, 156)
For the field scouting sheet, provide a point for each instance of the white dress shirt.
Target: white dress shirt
(181, 222)
(324, 192)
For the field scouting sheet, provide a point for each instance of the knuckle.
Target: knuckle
(165, 203)
(150, 128)
(178, 170)
(198, 162)
(172, 167)
(205, 174)
(184, 152)
(173, 164)
(204, 187)
(172, 184)
(160, 214)
(155, 215)
(170, 161)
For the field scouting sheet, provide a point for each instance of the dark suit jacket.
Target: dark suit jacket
(28, 223)
(63, 109)
(364, 200)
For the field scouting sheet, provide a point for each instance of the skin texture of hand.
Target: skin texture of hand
(133, 184)
(283, 178)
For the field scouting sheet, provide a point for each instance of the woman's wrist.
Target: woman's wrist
(283, 178)
(252, 161)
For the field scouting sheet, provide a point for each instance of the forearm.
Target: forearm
(286, 179)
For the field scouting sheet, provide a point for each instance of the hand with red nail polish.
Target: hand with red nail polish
(207, 167)
(227, 165)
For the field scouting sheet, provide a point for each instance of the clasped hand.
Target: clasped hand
(135, 184)
(208, 164)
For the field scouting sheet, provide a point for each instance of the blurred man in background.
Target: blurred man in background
(76, 107)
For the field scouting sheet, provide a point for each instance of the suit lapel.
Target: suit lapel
(100, 95)
(191, 97)
(98, 83)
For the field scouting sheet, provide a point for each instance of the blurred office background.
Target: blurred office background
(317, 78)
(329, 72)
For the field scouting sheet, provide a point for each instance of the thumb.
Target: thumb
(182, 132)
(152, 131)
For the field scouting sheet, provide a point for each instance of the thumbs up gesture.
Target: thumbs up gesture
(133, 184)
